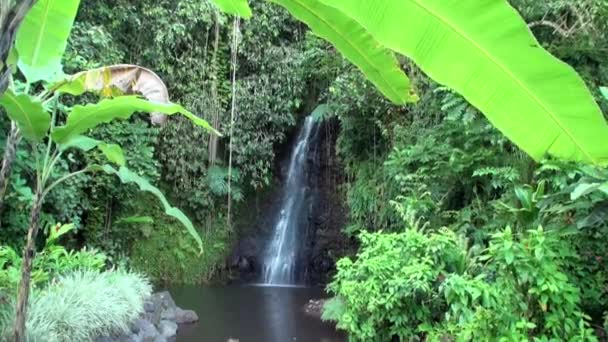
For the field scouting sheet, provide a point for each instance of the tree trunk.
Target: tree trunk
(10, 152)
(11, 16)
(26, 270)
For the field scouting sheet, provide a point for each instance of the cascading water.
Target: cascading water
(280, 261)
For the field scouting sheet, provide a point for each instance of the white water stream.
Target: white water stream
(281, 256)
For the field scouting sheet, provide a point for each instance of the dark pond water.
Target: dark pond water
(252, 314)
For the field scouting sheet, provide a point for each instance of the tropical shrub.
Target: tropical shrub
(414, 284)
(83, 305)
(52, 261)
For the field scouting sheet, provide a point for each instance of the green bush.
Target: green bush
(83, 305)
(414, 285)
(51, 262)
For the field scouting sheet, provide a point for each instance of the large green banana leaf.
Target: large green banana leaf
(235, 7)
(484, 50)
(356, 44)
(83, 118)
(31, 118)
(43, 36)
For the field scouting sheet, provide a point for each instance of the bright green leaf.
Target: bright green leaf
(114, 153)
(584, 189)
(127, 176)
(235, 7)
(31, 118)
(604, 91)
(55, 232)
(80, 142)
(604, 188)
(83, 118)
(485, 51)
(378, 63)
(43, 36)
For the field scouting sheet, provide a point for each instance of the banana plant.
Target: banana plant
(536, 100)
(378, 63)
(51, 128)
(236, 7)
(485, 51)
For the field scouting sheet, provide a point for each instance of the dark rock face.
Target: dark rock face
(323, 242)
(157, 323)
(326, 243)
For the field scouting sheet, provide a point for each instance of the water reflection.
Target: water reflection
(252, 314)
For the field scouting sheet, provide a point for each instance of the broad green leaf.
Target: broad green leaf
(43, 36)
(485, 51)
(235, 7)
(83, 118)
(56, 231)
(31, 118)
(378, 63)
(584, 189)
(80, 142)
(114, 153)
(604, 91)
(127, 176)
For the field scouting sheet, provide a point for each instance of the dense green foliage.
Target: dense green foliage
(184, 55)
(461, 235)
(438, 172)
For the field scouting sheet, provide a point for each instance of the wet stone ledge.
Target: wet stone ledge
(159, 321)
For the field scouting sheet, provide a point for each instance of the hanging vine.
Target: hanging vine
(235, 45)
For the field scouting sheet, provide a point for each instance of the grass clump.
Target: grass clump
(83, 305)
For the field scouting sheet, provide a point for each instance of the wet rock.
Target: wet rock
(165, 299)
(149, 306)
(168, 315)
(129, 338)
(185, 316)
(314, 307)
(148, 332)
(168, 329)
(157, 323)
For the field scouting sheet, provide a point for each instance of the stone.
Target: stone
(139, 325)
(129, 338)
(185, 316)
(149, 306)
(147, 331)
(104, 339)
(165, 299)
(167, 329)
(168, 314)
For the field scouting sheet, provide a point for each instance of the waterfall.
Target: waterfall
(281, 256)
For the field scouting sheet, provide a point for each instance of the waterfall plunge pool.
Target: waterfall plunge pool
(249, 313)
